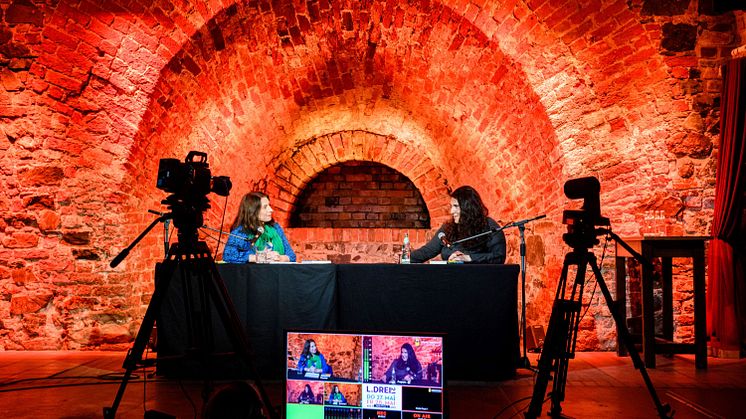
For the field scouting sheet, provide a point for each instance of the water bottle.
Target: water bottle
(405, 250)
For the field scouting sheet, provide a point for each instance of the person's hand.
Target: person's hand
(273, 256)
(459, 256)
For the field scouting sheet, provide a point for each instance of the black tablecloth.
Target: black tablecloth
(475, 305)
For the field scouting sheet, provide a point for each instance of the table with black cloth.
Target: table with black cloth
(474, 305)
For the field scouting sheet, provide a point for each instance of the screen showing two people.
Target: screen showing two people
(370, 376)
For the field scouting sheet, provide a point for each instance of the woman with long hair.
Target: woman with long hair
(469, 217)
(336, 397)
(312, 360)
(406, 368)
(254, 229)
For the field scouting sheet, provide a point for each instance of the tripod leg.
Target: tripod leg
(663, 409)
(559, 344)
(571, 306)
(163, 275)
(237, 333)
(555, 343)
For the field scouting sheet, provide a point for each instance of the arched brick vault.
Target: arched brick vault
(511, 96)
(480, 116)
(506, 122)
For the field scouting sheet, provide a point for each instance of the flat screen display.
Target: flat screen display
(363, 376)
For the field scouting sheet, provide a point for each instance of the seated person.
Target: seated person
(336, 397)
(307, 397)
(406, 368)
(255, 229)
(469, 218)
(312, 360)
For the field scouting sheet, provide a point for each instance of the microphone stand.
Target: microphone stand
(524, 362)
(251, 242)
(490, 231)
(225, 233)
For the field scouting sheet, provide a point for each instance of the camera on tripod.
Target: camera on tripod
(582, 223)
(189, 182)
(191, 262)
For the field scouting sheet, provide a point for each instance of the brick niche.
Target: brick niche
(360, 195)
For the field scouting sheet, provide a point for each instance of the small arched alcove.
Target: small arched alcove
(360, 194)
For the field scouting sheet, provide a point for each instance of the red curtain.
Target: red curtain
(726, 312)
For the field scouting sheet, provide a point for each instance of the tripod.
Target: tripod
(559, 344)
(190, 258)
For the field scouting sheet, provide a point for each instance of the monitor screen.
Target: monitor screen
(363, 375)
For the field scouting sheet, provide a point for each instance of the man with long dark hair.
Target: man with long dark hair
(469, 217)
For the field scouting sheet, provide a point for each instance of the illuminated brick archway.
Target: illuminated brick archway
(296, 169)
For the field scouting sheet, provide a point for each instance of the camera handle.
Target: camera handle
(123, 254)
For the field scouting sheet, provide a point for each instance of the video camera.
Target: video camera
(189, 182)
(582, 223)
(191, 178)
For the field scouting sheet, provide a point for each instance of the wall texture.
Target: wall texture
(512, 96)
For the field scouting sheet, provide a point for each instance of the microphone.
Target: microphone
(443, 240)
(259, 232)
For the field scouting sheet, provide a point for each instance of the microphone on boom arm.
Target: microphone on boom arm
(252, 241)
(443, 240)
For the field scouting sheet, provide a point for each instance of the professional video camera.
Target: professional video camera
(582, 223)
(189, 182)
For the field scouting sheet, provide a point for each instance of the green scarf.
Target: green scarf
(270, 235)
(314, 361)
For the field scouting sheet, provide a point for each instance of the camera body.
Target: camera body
(582, 223)
(191, 178)
(189, 182)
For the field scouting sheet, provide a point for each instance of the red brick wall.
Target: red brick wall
(360, 195)
(511, 97)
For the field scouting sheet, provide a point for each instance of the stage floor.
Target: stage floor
(67, 384)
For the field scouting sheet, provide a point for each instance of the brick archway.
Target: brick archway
(295, 169)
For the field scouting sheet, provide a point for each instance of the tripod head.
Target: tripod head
(581, 224)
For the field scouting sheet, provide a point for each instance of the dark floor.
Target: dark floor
(599, 384)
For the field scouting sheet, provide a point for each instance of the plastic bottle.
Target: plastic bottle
(405, 250)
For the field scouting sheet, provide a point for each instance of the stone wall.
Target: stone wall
(512, 97)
